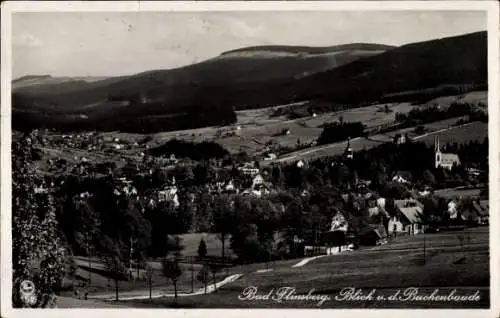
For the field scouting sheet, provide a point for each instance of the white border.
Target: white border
(492, 8)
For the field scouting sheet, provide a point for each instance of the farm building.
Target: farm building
(400, 139)
(374, 234)
(169, 193)
(257, 180)
(475, 212)
(410, 214)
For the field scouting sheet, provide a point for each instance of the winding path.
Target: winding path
(144, 294)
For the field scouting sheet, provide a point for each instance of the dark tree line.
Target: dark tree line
(335, 132)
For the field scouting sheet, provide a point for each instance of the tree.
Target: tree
(172, 270)
(116, 270)
(149, 276)
(214, 268)
(204, 276)
(429, 177)
(202, 249)
(38, 251)
(223, 220)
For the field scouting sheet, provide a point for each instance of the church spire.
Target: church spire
(436, 145)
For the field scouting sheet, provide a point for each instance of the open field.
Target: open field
(473, 131)
(387, 269)
(257, 127)
(464, 133)
(475, 97)
(259, 132)
(100, 284)
(455, 193)
(191, 241)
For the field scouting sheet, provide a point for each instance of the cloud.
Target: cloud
(27, 40)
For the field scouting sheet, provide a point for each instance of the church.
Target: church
(444, 160)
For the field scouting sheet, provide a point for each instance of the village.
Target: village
(195, 159)
(387, 217)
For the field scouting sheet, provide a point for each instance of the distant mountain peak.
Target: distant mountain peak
(30, 77)
(294, 49)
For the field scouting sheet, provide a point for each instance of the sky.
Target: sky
(114, 43)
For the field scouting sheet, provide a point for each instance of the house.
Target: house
(452, 209)
(399, 179)
(475, 212)
(402, 176)
(230, 188)
(373, 234)
(445, 160)
(257, 180)
(400, 139)
(395, 226)
(336, 239)
(409, 213)
(485, 206)
(425, 191)
(339, 223)
(474, 172)
(169, 193)
(248, 169)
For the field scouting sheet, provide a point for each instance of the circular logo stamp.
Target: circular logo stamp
(27, 288)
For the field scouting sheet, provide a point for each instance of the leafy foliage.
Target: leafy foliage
(39, 252)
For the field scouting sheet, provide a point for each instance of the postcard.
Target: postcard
(291, 158)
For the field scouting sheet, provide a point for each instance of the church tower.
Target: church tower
(437, 152)
(348, 153)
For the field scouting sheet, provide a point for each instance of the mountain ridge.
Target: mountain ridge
(223, 84)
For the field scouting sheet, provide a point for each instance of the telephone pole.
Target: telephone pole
(132, 243)
(192, 276)
(424, 249)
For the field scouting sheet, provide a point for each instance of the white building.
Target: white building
(452, 209)
(257, 180)
(445, 160)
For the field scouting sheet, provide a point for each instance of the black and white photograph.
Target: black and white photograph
(224, 156)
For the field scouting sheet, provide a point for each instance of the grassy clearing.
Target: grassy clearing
(191, 241)
(460, 134)
(443, 130)
(475, 97)
(456, 193)
(388, 268)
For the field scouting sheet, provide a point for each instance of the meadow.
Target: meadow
(396, 266)
(444, 130)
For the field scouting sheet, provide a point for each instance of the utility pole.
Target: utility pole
(89, 252)
(424, 249)
(132, 242)
(192, 276)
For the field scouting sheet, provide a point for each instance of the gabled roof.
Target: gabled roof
(413, 214)
(378, 229)
(485, 204)
(481, 210)
(411, 209)
(406, 202)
